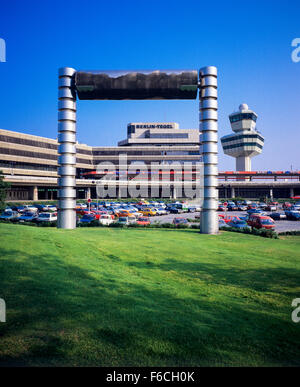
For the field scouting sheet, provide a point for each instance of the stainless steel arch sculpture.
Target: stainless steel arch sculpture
(136, 85)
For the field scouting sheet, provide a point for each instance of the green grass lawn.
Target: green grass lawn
(147, 297)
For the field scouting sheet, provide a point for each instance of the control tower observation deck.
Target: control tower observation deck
(245, 142)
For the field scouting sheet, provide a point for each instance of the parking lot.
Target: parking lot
(280, 225)
(34, 214)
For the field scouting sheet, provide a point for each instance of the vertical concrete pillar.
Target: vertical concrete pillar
(209, 148)
(88, 193)
(232, 192)
(292, 192)
(271, 193)
(35, 193)
(174, 192)
(66, 149)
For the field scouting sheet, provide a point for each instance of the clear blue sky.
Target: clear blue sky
(249, 42)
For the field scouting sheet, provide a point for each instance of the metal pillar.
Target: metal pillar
(209, 144)
(66, 149)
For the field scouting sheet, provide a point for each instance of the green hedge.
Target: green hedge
(259, 232)
(296, 232)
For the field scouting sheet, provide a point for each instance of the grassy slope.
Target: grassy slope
(112, 297)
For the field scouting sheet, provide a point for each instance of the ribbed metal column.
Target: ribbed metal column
(66, 149)
(209, 143)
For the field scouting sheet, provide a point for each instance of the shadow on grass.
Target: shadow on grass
(59, 314)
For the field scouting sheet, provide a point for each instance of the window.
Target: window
(243, 116)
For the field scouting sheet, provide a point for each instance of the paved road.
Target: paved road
(280, 225)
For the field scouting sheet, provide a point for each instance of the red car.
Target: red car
(228, 218)
(143, 221)
(98, 213)
(286, 205)
(258, 221)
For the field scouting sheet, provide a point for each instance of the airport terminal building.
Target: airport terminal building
(29, 164)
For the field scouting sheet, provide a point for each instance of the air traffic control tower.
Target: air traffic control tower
(246, 142)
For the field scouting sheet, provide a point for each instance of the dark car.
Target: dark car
(254, 211)
(232, 207)
(222, 223)
(178, 221)
(9, 215)
(174, 210)
(238, 224)
(277, 216)
(292, 215)
(28, 217)
(88, 218)
(40, 207)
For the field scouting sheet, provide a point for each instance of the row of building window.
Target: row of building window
(17, 152)
(243, 116)
(166, 135)
(21, 165)
(241, 137)
(38, 144)
(242, 144)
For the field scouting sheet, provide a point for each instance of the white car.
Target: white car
(160, 211)
(32, 209)
(106, 219)
(47, 217)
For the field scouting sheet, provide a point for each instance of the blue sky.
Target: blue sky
(249, 42)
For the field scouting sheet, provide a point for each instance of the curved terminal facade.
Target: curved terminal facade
(246, 142)
(31, 163)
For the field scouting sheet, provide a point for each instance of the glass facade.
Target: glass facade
(242, 144)
(241, 137)
(243, 116)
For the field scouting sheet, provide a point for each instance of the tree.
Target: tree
(3, 190)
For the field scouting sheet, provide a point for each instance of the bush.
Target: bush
(259, 232)
(46, 224)
(296, 232)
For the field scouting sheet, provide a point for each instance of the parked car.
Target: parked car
(251, 211)
(286, 205)
(238, 224)
(98, 213)
(88, 218)
(124, 220)
(222, 223)
(261, 222)
(52, 208)
(292, 215)
(277, 216)
(228, 218)
(221, 207)
(10, 215)
(270, 207)
(178, 221)
(143, 221)
(175, 210)
(181, 206)
(106, 219)
(191, 209)
(28, 216)
(148, 212)
(47, 217)
(32, 209)
(40, 207)
(232, 207)
(242, 207)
